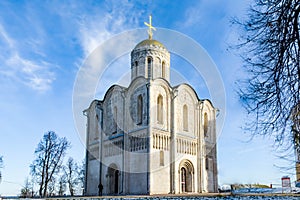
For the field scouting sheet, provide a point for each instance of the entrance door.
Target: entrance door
(116, 181)
(113, 179)
(183, 179)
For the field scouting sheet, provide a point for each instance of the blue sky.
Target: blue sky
(43, 45)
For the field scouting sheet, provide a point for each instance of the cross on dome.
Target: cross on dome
(150, 27)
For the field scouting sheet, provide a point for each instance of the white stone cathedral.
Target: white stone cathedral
(151, 137)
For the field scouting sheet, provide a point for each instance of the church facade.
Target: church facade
(151, 137)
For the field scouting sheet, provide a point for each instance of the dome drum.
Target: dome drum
(150, 59)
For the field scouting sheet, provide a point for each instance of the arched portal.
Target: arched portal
(186, 174)
(113, 177)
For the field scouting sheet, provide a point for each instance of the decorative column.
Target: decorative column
(173, 143)
(193, 184)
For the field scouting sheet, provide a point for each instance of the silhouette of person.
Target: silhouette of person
(100, 187)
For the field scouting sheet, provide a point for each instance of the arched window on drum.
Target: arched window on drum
(149, 66)
(163, 69)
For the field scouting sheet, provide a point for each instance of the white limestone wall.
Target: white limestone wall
(136, 161)
(160, 151)
(160, 87)
(92, 174)
(209, 159)
(138, 182)
(93, 131)
(160, 172)
(136, 155)
(136, 88)
(160, 162)
(185, 96)
(113, 100)
(93, 123)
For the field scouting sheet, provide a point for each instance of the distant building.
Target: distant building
(151, 137)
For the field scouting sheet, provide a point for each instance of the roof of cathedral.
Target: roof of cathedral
(149, 42)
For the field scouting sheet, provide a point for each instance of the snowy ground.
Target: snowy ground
(267, 190)
(216, 198)
(250, 197)
(241, 194)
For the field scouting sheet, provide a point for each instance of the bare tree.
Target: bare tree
(27, 190)
(51, 187)
(62, 184)
(270, 50)
(71, 172)
(49, 156)
(81, 177)
(296, 126)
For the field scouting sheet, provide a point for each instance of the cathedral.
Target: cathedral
(151, 137)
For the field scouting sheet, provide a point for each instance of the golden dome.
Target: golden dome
(148, 43)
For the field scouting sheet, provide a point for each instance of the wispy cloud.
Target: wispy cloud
(96, 29)
(6, 39)
(117, 17)
(37, 75)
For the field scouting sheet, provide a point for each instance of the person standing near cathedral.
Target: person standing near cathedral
(100, 188)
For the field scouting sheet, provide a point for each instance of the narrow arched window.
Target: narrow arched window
(163, 69)
(149, 66)
(115, 120)
(136, 67)
(160, 109)
(205, 124)
(97, 127)
(139, 109)
(185, 118)
(206, 163)
(161, 158)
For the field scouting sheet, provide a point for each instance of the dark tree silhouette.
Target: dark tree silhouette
(270, 50)
(27, 190)
(62, 184)
(81, 175)
(49, 156)
(72, 175)
(296, 126)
